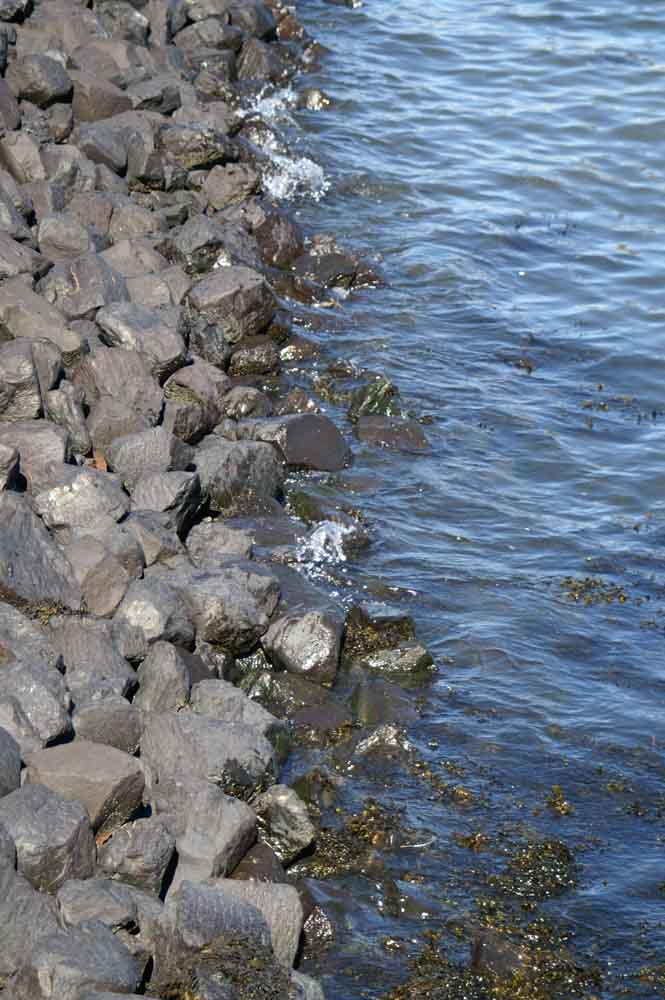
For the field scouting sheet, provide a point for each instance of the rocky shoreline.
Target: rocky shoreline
(161, 652)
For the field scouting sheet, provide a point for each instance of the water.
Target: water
(505, 164)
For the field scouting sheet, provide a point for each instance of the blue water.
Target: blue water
(505, 164)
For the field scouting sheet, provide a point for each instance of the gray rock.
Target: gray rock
(41, 445)
(243, 401)
(10, 114)
(79, 288)
(103, 145)
(9, 463)
(306, 440)
(53, 837)
(68, 963)
(60, 122)
(279, 906)
(229, 185)
(218, 699)
(233, 472)
(254, 18)
(164, 680)
(308, 645)
(133, 258)
(110, 720)
(110, 374)
(193, 145)
(219, 830)
(157, 541)
(212, 542)
(408, 658)
(305, 988)
(19, 154)
(64, 406)
(14, 10)
(259, 61)
(26, 917)
(102, 578)
(284, 822)
(43, 700)
(196, 246)
(176, 494)
(124, 21)
(41, 80)
(237, 299)
(20, 398)
(208, 341)
(17, 724)
(10, 763)
(95, 98)
(396, 433)
(79, 497)
(109, 782)
(96, 899)
(159, 93)
(181, 748)
(255, 356)
(17, 259)
(157, 609)
(139, 854)
(111, 418)
(32, 567)
(147, 452)
(91, 656)
(194, 397)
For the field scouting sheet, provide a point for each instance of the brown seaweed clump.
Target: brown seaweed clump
(239, 965)
(539, 870)
(365, 635)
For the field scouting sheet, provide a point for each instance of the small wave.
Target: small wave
(286, 177)
(273, 105)
(325, 544)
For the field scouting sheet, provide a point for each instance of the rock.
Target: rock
(92, 659)
(32, 567)
(279, 906)
(408, 658)
(10, 114)
(41, 80)
(101, 577)
(66, 964)
(260, 864)
(20, 398)
(218, 699)
(82, 286)
(153, 333)
(395, 433)
(255, 356)
(306, 440)
(64, 406)
(19, 154)
(193, 400)
(60, 122)
(380, 397)
(147, 452)
(181, 748)
(41, 444)
(14, 10)
(10, 763)
(110, 375)
(79, 497)
(284, 822)
(307, 645)
(16, 259)
(96, 899)
(259, 61)
(103, 145)
(124, 21)
(230, 185)
(26, 917)
(285, 694)
(157, 610)
(209, 342)
(305, 988)
(176, 494)
(95, 98)
(212, 542)
(234, 472)
(110, 720)
(43, 700)
(108, 782)
(158, 542)
(23, 313)
(139, 854)
(219, 830)
(158, 93)
(193, 145)
(243, 401)
(280, 238)
(237, 299)
(53, 837)
(164, 680)
(196, 246)
(9, 460)
(365, 634)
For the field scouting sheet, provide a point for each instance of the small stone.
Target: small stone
(284, 822)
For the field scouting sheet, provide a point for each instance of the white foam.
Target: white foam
(325, 544)
(286, 177)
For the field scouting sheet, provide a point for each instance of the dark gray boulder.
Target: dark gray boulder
(113, 375)
(10, 763)
(243, 401)
(395, 433)
(146, 452)
(9, 464)
(194, 397)
(308, 645)
(194, 145)
(212, 542)
(109, 782)
(26, 917)
(96, 899)
(41, 445)
(42, 698)
(164, 680)
(79, 288)
(138, 854)
(157, 540)
(280, 907)
(284, 822)
(232, 472)
(157, 609)
(102, 578)
(218, 699)
(64, 406)
(95, 98)
(176, 494)
(79, 497)
(306, 440)
(109, 719)
(259, 61)
(53, 837)
(10, 113)
(237, 299)
(17, 259)
(407, 658)
(230, 185)
(20, 398)
(93, 662)
(196, 246)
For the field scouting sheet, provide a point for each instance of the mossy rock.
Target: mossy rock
(379, 398)
(365, 635)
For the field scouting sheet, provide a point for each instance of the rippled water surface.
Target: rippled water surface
(505, 164)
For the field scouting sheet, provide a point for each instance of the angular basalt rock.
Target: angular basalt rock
(41, 80)
(93, 662)
(154, 334)
(82, 286)
(237, 299)
(280, 907)
(17, 259)
(95, 98)
(193, 145)
(150, 451)
(212, 542)
(23, 313)
(157, 609)
(78, 497)
(26, 917)
(164, 680)
(102, 578)
(396, 433)
(113, 375)
(109, 719)
(157, 540)
(232, 471)
(139, 854)
(218, 699)
(284, 822)
(10, 763)
(306, 440)
(175, 494)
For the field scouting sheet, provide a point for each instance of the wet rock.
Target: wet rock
(53, 837)
(233, 471)
(376, 701)
(230, 185)
(156, 609)
(154, 334)
(259, 61)
(101, 577)
(193, 145)
(164, 680)
(64, 406)
(92, 659)
(212, 542)
(175, 494)
(181, 748)
(409, 658)
(26, 917)
(380, 397)
(326, 264)
(83, 286)
(95, 98)
(391, 432)
(41, 80)
(218, 699)
(23, 313)
(16, 259)
(139, 854)
(196, 246)
(110, 720)
(255, 356)
(147, 452)
(306, 440)
(109, 782)
(307, 645)
(279, 906)
(284, 694)
(260, 864)
(243, 401)
(78, 497)
(219, 830)
(158, 542)
(494, 955)
(32, 567)
(67, 963)
(365, 634)
(284, 822)
(237, 299)
(305, 987)
(10, 763)
(108, 376)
